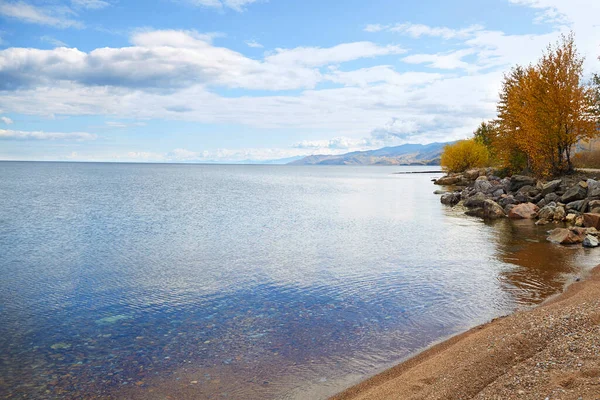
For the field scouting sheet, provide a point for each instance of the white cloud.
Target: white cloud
(52, 16)
(90, 4)
(418, 30)
(338, 143)
(53, 41)
(237, 5)
(316, 56)
(6, 120)
(254, 44)
(40, 135)
(174, 59)
(451, 60)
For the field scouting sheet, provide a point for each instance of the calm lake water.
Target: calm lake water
(242, 282)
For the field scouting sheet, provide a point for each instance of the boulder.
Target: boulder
(550, 197)
(475, 201)
(472, 174)
(492, 210)
(570, 218)
(560, 213)
(526, 189)
(482, 184)
(593, 188)
(521, 198)
(577, 192)
(566, 236)
(523, 211)
(498, 192)
(450, 199)
(594, 206)
(507, 200)
(448, 180)
(575, 205)
(591, 220)
(579, 220)
(590, 241)
(550, 187)
(541, 203)
(547, 213)
(518, 181)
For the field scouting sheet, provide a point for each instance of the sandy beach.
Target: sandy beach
(549, 352)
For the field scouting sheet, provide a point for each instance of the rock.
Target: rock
(575, 205)
(448, 180)
(547, 213)
(526, 189)
(541, 203)
(523, 211)
(518, 181)
(521, 198)
(60, 346)
(592, 231)
(475, 201)
(594, 206)
(577, 192)
(492, 210)
(450, 199)
(550, 197)
(591, 220)
(475, 212)
(550, 187)
(566, 236)
(542, 222)
(507, 201)
(559, 213)
(570, 218)
(439, 192)
(498, 192)
(590, 241)
(579, 220)
(593, 188)
(472, 174)
(482, 184)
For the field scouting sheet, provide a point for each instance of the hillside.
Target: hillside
(406, 154)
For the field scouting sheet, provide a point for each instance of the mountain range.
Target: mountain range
(406, 154)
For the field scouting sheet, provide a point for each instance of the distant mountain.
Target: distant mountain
(407, 154)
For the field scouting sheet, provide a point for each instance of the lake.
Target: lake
(222, 281)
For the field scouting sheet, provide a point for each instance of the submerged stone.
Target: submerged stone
(112, 319)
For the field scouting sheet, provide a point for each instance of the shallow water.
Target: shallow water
(196, 281)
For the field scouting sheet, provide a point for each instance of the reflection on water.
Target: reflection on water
(188, 281)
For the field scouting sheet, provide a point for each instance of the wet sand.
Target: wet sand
(549, 352)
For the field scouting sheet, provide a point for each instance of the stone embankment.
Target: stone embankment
(571, 201)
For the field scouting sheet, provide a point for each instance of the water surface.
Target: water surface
(199, 281)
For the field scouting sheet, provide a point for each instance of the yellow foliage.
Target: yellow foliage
(463, 155)
(544, 110)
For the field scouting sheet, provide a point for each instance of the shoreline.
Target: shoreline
(550, 351)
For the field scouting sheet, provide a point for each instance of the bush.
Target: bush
(464, 155)
(587, 159)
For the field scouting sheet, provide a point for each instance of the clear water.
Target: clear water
(196, 281)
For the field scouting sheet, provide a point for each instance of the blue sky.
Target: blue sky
(231, 80)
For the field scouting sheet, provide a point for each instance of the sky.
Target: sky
(234, 80)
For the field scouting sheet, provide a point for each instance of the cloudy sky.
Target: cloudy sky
(231, 80)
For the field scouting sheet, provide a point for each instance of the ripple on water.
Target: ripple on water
(143, 281)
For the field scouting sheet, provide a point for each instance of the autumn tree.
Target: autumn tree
(544, 110)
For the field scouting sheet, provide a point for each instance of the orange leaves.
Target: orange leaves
(544, 110)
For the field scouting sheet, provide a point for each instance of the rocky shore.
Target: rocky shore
(571, 202)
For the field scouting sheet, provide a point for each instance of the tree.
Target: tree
(464, 155)
(544, 110)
